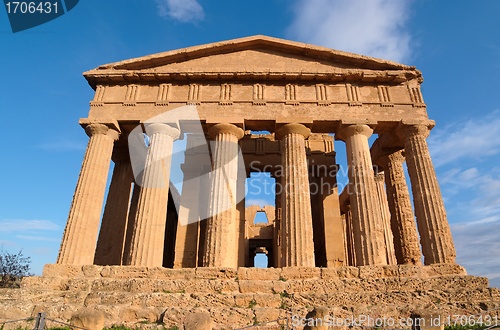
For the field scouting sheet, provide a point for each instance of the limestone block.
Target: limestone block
(272, 300)
(329, 273)
(88, 318)
(290, 273)
(232, 316)
(78, 284)
(58, 270)
(444, 269)
(411, 271)
(172, 274)
(224, 286)
(198, 321)
(142, 285)
(348, 272)
(266, 314)
(281, 286)
(214, 272)
(134, 314)
(173, 316)
(495, 294)
(36, 282)
(259, 273)
(390, 271)
(243, 299)
(306, 286)
(332, 285)
(317, 319)
(90, 271)
(412, 284)
(213, 299)
(253, 286)
(125, 272)
(369, 272)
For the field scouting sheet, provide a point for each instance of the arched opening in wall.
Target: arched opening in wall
(260, 217)
(260, 260)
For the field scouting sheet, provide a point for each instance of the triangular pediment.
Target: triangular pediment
(256, 54)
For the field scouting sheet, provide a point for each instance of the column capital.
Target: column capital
(407, 131)
(225, 128)
(161, 128)
(101, 129)
(355, 129)
(292, 128)
(394, 157)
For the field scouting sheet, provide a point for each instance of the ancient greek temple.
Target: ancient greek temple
(280, 105)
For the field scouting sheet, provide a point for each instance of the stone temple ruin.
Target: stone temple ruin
(265, 105)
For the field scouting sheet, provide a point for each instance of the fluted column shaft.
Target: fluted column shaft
(149, 233)
(404, 229)
(386, 218)
(79, 239)
(298, 245)
(435, 234)
(111, 239)
(221, 244)
(367, 223)
(136, 191)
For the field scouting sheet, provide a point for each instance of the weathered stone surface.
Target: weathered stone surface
(291, 273)
(198, 321)
(259, 273)
(298, 245)
(321, 258)
(222, 240)
(367, 224)
(88, 318)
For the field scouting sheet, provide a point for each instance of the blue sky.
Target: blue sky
(456, 44)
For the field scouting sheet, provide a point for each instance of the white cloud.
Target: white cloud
(22, 225)
(478, 247)
(38, 238)
(474, 139)
(375, 28)
(181, 10)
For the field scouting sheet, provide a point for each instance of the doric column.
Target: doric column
(111, 241)
(79, 239)
(221, 244)
(404, 229)
(298, 245)
(131, 224)
(386, 218)
(367, 225)
(149, 233)
(435, 234)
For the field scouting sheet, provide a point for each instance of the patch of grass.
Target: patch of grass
(282, 279)
(284, 294)
(118, 327)
(252, 303)
(173, 328)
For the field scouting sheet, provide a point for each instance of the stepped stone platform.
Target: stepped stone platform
(153, 297)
